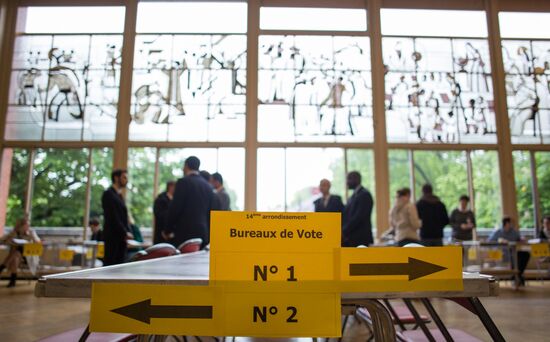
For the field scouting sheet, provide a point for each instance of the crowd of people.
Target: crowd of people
(182, 213)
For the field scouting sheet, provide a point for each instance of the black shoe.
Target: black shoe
(13, 279)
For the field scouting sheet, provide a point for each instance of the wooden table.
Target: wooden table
(193, 269)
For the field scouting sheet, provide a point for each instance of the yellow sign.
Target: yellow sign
(393, 269)
(66, 255)
(205, 310)
(157, 309)
(283, 315)
(33, 249)
(494, 255)
(472, 253)
(100, 250)
(539, 250)
(274, 232)
(265, 267)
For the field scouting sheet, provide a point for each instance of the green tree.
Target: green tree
(16, 198)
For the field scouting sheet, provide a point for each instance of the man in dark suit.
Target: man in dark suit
(189, 212)
(115, 213)
(356, 225)
(328, 202)
(216, 180)
(160, 210)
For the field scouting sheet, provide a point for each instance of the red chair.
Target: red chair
(190, 246)
(160, 250)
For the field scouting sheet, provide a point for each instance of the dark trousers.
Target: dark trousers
(115, 252)
(432, 242)
(523, 260)
(406, 241)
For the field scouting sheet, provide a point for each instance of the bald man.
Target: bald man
(328, 202)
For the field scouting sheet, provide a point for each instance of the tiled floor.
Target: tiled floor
(522, 315)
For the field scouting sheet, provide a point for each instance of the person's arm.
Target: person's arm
(413, 217)
(34, 236)
(444, 215)
(495, 235)
(339, 204)
(175, 208)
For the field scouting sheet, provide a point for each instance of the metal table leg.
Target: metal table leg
(419, 320)
(440, 325)
(485, 318)
(382, 323)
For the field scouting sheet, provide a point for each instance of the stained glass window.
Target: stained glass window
(526, 58)
(189, 87)
(527, 68)
(64, 86)
(314, 88)
(438, 90)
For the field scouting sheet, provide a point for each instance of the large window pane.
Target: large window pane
(400, 175)
(486, 188)
(18, 184)
(102, 165)
(192, 17)
(59, 191)
(437, 89)
(271, 192)
(141, 175)
(433, 23)
(305, 167)
(229, 162)
(314, 88)
(445, 171)
(315, 19)
(527, 69)
(189, 87)
(543, 178)
(64, 86)
(288, 179)
(524, 189)
(524, 25)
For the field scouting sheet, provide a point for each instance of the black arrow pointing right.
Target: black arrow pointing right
(144, 311)
(414, 268)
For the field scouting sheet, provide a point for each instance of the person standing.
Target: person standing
(544, 233)
(328, 203)
(433, 214)
(404, 219)
(507, 233)
(224, 202)
(189, 212)
(356, 223)
(115, 227)
(462, 220)
(160, 210)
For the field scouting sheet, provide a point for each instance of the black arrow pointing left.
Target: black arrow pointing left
(144, 311)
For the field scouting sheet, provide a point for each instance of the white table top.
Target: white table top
(193, 269)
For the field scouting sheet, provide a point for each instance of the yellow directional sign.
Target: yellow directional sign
(393, 269)
(539, 250)
(66, 255)
(157, 309)
(33, 249)
(203, 310)
(274, 232)
(283, 315)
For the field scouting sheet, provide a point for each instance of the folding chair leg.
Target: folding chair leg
(85, 334)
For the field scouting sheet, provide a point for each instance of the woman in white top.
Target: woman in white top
(404, 219)
(21, 231)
